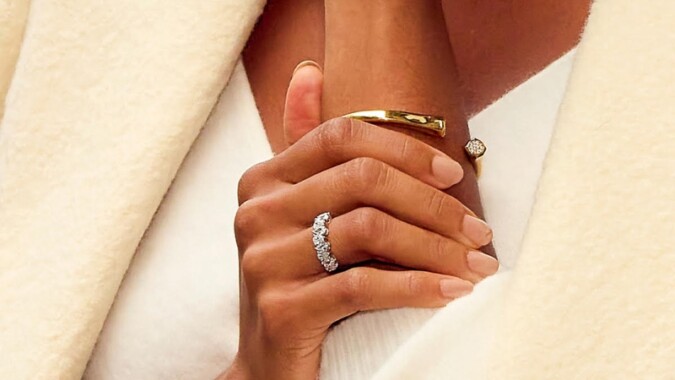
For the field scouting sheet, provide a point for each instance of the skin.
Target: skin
(285, 314)
(411, 69)
(364, 174)
(497, 45)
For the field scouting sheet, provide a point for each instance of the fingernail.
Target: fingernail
(476, 230)
(455, 288)
(481, 263)
(306, 63)
(446, 171)
(469, 211)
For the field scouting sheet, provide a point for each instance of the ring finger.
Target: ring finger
(368, 182)
(368, 234)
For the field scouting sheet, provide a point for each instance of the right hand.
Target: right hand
(383, 190)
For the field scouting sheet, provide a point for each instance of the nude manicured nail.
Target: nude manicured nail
(306, 63)
(476, 230)
(446, 171)
(455, 288)
(481, 263)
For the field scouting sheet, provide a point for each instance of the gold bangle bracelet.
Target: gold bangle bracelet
(434, 125)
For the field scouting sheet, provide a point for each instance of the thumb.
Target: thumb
(302, 111)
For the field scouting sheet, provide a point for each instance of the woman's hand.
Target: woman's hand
(383, 190)
(396, 55)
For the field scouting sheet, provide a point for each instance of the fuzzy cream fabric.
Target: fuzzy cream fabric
(176, 315)
(591, 296)
(108, 96)
(13, 15)
(106, 99)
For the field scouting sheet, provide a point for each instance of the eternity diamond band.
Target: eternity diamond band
(321, 244)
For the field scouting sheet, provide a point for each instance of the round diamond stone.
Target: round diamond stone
(322, 248)
(330, 265)
(475, 148)
(325, 217)
(318, 239)
(320, 230)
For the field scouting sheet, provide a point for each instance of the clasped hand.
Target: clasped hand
(399, 239)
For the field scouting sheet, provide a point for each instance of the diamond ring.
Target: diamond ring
(475, 149)
(321, 244)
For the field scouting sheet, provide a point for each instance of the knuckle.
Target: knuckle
(251, 261)
(250, 216)
(346, 181)
(368, 222)
(438, 204)
(438, 250)
(364, 174)
(253, 265)
(406, 148)
(413, 283)
(249, 182)
(354, 288)
(336, 132)
(380, 176)
(273, 313)
(244, 219)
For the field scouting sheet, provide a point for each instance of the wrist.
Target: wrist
(381, 11)
(384, 4)
(399, 46)
(236, 371)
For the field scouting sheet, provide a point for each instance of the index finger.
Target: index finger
(340, 140)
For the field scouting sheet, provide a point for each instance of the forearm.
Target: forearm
(390, 53)
(395, 54)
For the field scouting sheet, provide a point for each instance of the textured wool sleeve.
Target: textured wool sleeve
(106, 99)
(13, 15)
(592, 296)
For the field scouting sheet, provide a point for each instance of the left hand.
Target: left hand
(288, 301)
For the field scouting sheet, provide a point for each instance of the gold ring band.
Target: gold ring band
(434, 125)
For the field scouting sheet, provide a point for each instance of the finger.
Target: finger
(368, 182)
(340, 140)
(302, 111)
(367, 234)
(358, 289)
